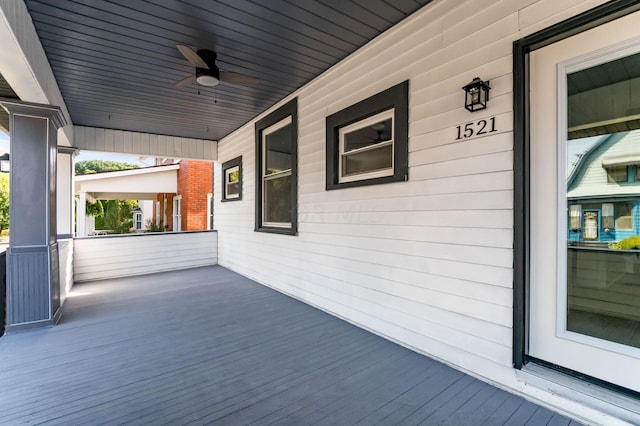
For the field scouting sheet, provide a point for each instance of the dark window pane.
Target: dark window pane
(368, 161)
(278, 150)
(624, 218)
(617, 174)
(233, 189)
(234, 176)
(277, 200)
(368, 136)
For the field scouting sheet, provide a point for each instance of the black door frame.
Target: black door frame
(521, 48)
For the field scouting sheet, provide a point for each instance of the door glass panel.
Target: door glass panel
(603, 201)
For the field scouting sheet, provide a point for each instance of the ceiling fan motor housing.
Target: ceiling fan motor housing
(208, 77)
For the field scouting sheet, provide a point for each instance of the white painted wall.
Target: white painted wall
(428, 262)
(115, 256)
(147, 211)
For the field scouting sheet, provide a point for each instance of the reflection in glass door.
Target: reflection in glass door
(603, 162)
(584, 311)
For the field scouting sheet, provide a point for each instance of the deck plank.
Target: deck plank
(207, 345)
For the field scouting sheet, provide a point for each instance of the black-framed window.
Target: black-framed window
(367, 143)
(277, 171)
(232, 180)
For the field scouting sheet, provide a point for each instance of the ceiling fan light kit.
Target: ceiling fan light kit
(207, 73)
(209, 78)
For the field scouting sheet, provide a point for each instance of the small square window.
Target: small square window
(137, 221)
(366, 148)
(232, 180)
(367, 143)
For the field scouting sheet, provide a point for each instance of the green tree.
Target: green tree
(4, 201)
(86, 167)
(94, 209)
(118, 216)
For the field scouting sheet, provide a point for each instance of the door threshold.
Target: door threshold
(594, 396)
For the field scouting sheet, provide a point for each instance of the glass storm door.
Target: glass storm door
(585, 161)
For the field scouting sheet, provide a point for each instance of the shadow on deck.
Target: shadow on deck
(207, 345)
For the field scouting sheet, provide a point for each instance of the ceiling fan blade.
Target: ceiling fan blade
(237, 78)
(185, 81)
(192, 56)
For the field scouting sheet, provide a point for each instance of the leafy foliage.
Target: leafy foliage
(631, 243)
(95, 209)
(98, 166)
(152, 226)
(117, 216)
(4, 201)
(114, 215)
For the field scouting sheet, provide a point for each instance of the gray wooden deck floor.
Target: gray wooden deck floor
(209, 346)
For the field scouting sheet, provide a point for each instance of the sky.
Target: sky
(577, 147)
(4, 142)
(89, 155)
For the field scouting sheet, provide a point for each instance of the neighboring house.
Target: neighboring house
(142, 215)
(135, 184)
(176, 195)
(190, 208)
(603, 190)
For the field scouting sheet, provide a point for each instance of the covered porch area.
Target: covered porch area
(207, 345)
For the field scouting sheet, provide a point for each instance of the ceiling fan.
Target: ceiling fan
(207, 73)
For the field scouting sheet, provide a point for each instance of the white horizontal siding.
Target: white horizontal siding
(65, 268)
(125, 142)
(120, 256)
(428, 262)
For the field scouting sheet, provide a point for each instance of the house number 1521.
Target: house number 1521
(476, 128)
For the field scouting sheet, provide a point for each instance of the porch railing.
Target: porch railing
(113, 256)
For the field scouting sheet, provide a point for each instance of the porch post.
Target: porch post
(65, 213)
(33, 288)
(64, 191)
(81, 215)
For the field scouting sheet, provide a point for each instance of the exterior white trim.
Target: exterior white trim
(177, 213)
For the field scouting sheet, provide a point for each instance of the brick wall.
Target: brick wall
(195, 181)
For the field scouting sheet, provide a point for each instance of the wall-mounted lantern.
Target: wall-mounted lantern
(476, 94)
(5, 164)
